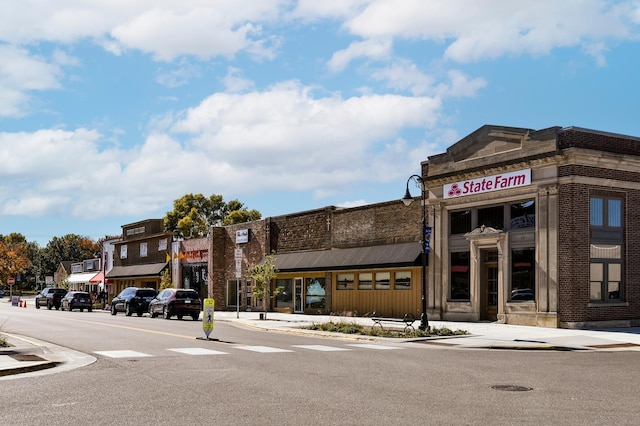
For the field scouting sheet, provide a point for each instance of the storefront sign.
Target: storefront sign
(488, 184)
(242, 236)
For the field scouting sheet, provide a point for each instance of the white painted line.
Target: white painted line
(321, 348)
(262, 349)
(372, 346)
(122, 354)
(197, 351)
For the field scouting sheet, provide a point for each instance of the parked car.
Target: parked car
(133, 299)
(51, 297)
(76, 300)
(176, 301)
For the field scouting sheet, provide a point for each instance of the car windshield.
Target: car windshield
(186, 295)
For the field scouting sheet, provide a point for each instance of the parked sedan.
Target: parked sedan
(133, 299)
(176, 301)
(76, 300)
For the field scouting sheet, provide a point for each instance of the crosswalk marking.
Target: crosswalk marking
(373, 346)
(322, 348)
(122, 354)
(262, 349)
(197, 351)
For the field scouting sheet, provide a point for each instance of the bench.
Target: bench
(407, 319)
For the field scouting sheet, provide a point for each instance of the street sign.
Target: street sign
(207, 317)
(237, 254)
(11, 281)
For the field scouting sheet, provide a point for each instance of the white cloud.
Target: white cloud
(284, 138)
(21, 73)
(405, 76)
(235, 81)
(491, 28)
(370, 49)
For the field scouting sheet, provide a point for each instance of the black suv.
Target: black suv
(50, 297)
(133, 299)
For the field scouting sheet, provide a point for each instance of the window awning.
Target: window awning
(391, 255)
(137, 271)
(82, 277)
(98, 278)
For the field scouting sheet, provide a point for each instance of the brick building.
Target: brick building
(536, 228)
(331, 260)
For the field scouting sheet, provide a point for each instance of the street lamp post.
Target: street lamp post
(407, 200)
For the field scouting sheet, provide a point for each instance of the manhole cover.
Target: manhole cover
(511, 388)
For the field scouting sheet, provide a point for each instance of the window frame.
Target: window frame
(606, 232)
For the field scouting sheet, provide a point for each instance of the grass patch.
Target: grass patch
(351, 328)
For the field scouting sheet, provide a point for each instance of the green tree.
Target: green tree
(72, 248)
(194, 214)
(165, 280)
(14, 256)
(262, 275)
(241, 216)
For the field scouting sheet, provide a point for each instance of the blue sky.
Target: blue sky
(110, 110)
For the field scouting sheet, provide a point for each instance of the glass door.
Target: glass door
(298, 295)
(489, 308)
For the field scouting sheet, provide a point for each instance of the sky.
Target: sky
(110, 109)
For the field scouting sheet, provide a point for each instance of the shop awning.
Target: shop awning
(136, 271)
(98, 278)
(82, 277)
(391, 255)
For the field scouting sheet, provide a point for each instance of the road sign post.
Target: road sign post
(207, 317)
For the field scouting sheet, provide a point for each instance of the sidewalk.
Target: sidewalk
(28, 356)
(482, 335)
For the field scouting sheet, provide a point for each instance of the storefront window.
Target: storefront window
(523, 282)
(402, 280)
(460, 222)
(605, 272)
(344, 281)
(284, 299)
(492, 217)
(460, 276)
(365, 280)
(315, 293)
(523, 215)
(383, 280)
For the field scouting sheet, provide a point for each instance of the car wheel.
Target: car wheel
(37, 305)
(49, 305)
(113, 309)
(151, 313)
(195, 317)
(165, 313)
(127, 310)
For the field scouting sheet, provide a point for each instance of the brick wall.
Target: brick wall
(378, 224)
(600, 141)
(573, 254)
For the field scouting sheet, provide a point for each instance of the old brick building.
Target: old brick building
(536, 228)
(355, 260)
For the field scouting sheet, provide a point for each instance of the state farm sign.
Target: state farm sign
(488, 184)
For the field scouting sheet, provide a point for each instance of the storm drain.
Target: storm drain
(511, 388)
(26, 357)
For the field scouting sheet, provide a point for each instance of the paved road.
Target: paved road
(157, 371)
